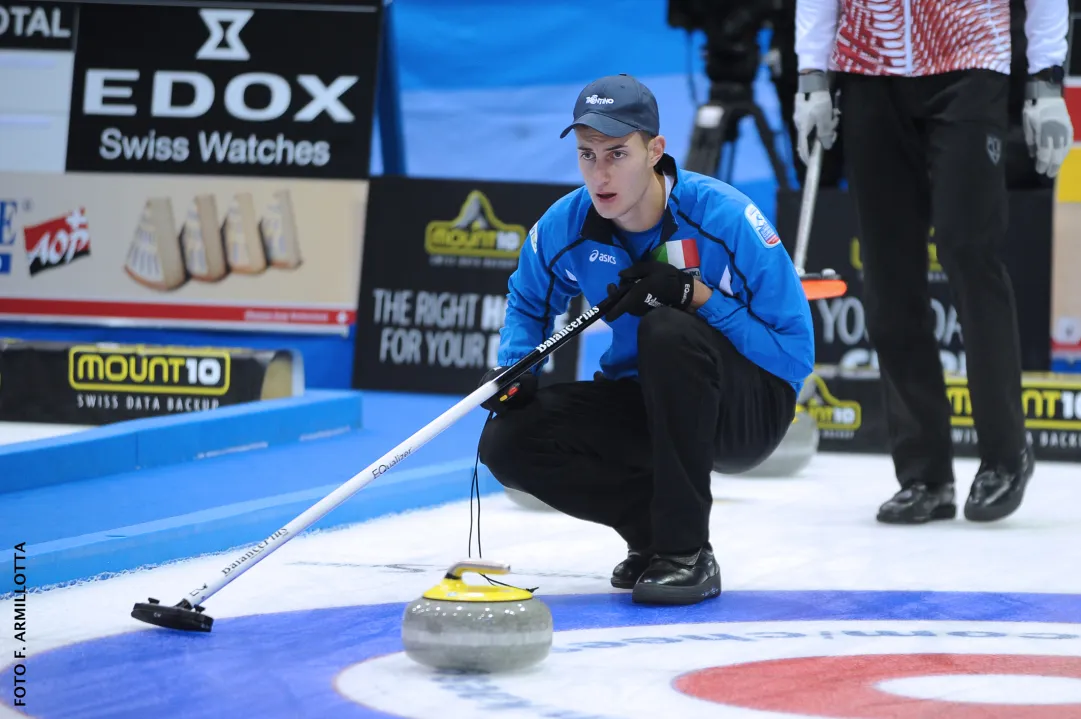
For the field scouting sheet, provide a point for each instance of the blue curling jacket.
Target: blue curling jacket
(709, 229)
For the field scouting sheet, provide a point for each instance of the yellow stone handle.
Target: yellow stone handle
(481, 566)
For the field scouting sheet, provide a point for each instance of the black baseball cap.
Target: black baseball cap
(616, 105)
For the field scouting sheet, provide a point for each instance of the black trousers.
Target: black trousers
(636, 454)
(929, 150)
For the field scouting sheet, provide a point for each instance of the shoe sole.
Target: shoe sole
(670, 595)
(944, 511)
(976, 513)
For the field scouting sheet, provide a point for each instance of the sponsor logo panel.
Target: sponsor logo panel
(438, 255)
(223, 251)
(226, 91)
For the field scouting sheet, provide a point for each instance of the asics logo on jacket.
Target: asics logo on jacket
(597, 255)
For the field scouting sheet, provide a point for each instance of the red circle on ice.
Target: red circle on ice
(845, 686)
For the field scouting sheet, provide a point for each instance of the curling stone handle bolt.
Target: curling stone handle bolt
(481, 566)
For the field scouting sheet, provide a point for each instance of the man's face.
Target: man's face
(617, 170)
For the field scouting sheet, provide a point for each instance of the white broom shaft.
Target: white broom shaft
(807, 206)
(319, 510)
(253, 556)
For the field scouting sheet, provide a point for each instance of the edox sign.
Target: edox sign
(233, 91)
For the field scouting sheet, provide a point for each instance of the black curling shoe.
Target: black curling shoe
(998, 489)
(627, 572)
(918, 504)
(679, 579)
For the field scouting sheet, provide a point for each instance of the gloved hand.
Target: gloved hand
(520, 392)
(814, 111)
(1048, 129)
(652, 284)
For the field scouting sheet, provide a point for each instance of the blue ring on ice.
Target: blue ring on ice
(283, 664)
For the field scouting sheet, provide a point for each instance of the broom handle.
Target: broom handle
(250, 557)
(807, 207)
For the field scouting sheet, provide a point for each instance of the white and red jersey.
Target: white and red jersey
(925, 37)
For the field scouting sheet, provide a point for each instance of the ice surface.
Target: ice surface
(813, 532)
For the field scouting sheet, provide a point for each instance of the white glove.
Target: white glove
(814, 111)
(1048, 130)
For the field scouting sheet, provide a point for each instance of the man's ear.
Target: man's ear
(656, 149)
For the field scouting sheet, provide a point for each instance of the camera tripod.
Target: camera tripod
(716, 127)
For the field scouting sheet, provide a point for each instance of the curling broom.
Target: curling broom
(827, 283)
(188, 614)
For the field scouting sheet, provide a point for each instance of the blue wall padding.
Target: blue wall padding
(210, 531)
(271, 423)
(55, 460)
(160, 441)
(124, 520)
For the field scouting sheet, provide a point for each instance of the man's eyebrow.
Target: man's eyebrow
(620, 146)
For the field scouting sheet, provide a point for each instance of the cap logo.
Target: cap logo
(597, 100)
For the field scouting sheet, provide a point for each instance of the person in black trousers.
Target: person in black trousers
(711, 342)
(924, 123)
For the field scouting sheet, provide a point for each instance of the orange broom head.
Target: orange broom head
(823, 288)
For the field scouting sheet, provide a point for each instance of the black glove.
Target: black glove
(520, 392)
(653, 284)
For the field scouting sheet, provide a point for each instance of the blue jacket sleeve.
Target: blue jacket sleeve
(760, 306)
(537, 295)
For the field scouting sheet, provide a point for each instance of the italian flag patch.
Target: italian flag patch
(679, 253)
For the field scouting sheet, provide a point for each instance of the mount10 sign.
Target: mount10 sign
(224, 91)
(438, 255)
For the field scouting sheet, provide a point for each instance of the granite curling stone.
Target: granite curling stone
(793, 454)
(796, 450)
(476, 628)
(526, 500)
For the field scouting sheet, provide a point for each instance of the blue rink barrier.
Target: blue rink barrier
(147, 492)
(160, 441)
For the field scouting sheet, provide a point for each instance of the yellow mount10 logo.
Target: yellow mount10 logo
(161, 370)
(475, 232)
(1049, 402)
(832, 414)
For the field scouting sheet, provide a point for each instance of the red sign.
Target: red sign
(58, 241)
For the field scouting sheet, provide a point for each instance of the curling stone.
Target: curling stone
(796, 450)
(793, 454)
(476, 628)
(809, 389)
(527, 500)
